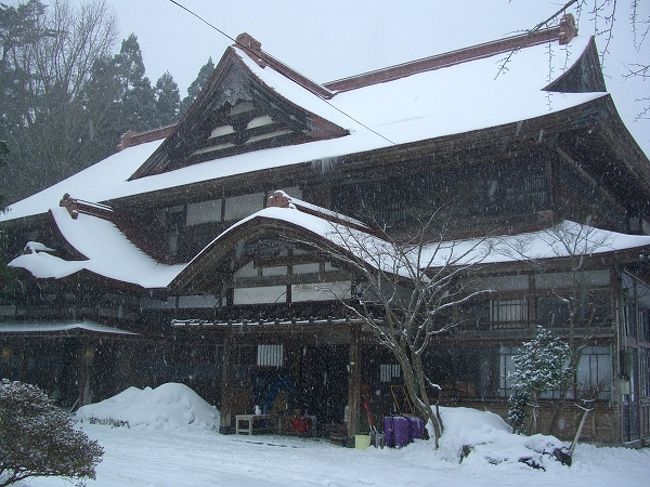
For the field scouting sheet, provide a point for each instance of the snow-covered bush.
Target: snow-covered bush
(37, 438)
(543, 365)
(481, 438)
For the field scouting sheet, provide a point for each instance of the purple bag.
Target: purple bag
(389, 431)
(417, 427)
(402, 431)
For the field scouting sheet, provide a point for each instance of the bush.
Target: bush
(543, 365)
(37, 438)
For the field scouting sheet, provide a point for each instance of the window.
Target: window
(270, 355)
(645, 324)
(506, 368)
(509, 310)
(589, 308)
(388, 372)
(645, 372)
(203, 212)
(594, 372)
(238, 207)
(552, 312)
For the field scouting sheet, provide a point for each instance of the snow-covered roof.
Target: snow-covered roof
(58, 326)
(461, 98)
(111, 254)
(108, 251)
(566, 239)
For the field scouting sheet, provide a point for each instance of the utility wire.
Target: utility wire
(245, 48)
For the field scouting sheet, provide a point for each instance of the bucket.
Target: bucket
(361, 442)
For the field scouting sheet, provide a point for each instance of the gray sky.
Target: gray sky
(331, 39)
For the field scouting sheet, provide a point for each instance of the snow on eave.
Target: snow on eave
(102, 181)
(53, 327)
(109, 254)
(567, 239)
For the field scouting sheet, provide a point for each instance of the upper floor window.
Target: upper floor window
(509, 310)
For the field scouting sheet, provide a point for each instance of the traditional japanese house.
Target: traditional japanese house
(177, 258)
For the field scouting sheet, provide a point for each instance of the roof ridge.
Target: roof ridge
(563, 33)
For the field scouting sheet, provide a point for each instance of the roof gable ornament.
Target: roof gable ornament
(236, 112)
(568, 29)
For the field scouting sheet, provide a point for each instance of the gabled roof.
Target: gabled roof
(433, 106)
(237, 112)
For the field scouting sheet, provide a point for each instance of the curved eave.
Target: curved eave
(623, 144)
(583, 76)
(215, 257)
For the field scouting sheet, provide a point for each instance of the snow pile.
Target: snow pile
(169, 406)
(479, 437)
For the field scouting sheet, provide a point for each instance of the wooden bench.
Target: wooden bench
(249, 423)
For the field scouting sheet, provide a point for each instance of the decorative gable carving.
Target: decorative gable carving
(236, 113)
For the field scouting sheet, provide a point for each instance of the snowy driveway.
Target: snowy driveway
(149, 458)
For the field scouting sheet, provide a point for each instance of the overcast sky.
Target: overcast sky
(326, 40)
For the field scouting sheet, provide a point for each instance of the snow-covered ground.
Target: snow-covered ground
(139, 457)
(171, 442)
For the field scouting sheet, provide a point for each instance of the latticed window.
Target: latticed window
(270, 355)
(387, 372)
(509, 310)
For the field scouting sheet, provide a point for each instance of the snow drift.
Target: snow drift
(476, 437)
(168, 406)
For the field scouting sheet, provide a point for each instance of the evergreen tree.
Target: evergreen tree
(138, 104)
(167, 99)
(543, 365)
(103, 94)
(197, 85)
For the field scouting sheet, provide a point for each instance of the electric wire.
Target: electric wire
(245, 48)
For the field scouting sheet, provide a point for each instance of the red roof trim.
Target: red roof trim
(131, 138)
(253, 48)
(563, 33)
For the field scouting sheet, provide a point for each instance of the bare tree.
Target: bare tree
(406, 290)
(48, 126)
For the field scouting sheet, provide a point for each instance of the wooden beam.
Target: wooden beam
(226, 386)
(354, 385)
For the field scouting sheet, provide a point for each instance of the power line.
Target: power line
(245, 48)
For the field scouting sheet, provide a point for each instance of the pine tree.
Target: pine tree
(138, 104)
(543, 365)
(167, 100)
(197, 85)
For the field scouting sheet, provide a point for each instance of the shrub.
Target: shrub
(37, 438)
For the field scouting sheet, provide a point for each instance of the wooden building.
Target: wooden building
(176, 259)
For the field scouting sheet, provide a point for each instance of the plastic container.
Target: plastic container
(402, 431)
(361, 442)
(389, 431)
(417, 427)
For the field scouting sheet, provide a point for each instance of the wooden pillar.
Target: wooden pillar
(226, 386)
(87, 357)
(354, 385)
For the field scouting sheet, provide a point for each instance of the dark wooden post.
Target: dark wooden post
(226, 386)
(354, 385)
